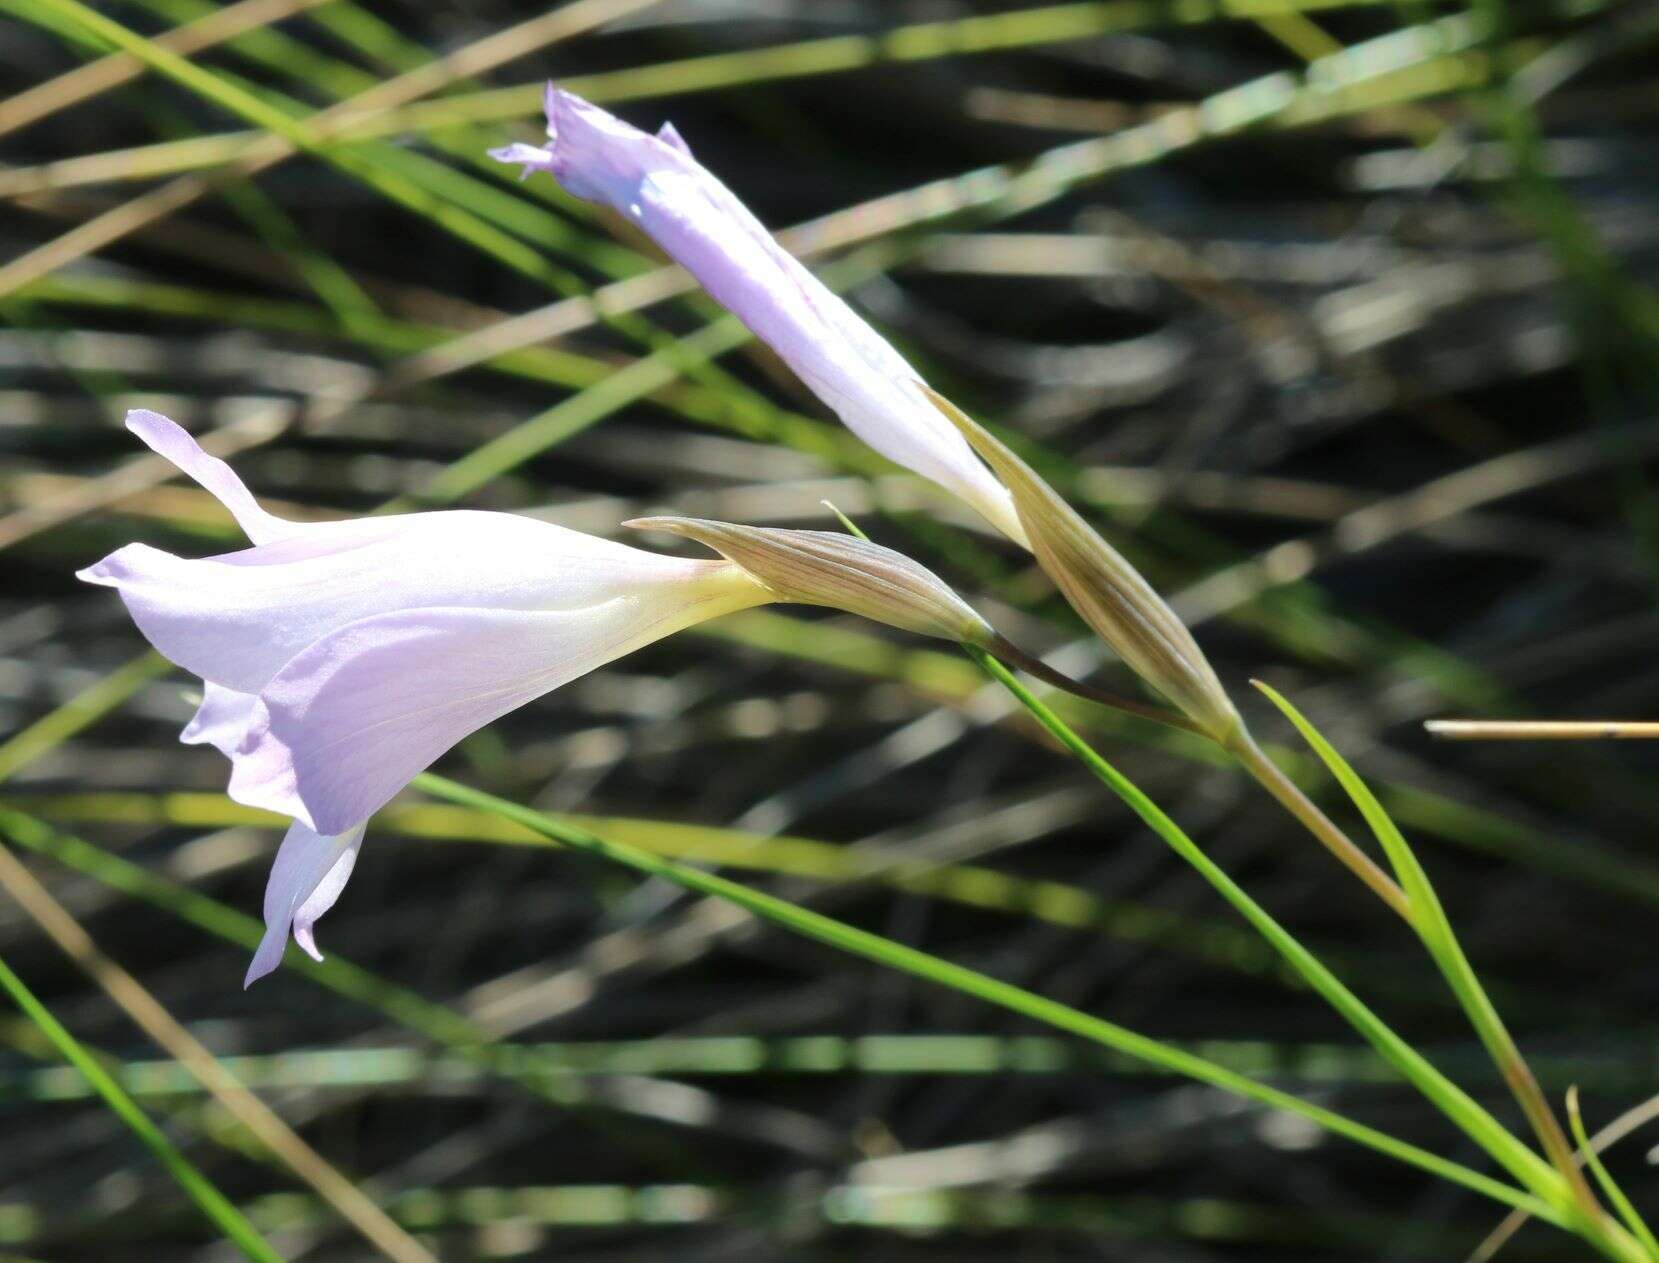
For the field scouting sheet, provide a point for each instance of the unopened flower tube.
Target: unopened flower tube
(656, 183)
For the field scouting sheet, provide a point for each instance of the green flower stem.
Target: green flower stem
(1463, 1110)
(1008, 651)
(214, 1204)
(920, 964)
(1567, 1193)
(1428, 917)
(1485, 1130)
(1268, 774)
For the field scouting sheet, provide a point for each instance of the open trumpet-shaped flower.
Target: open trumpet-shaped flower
(339, 659)
(342, 658)
(656, 183)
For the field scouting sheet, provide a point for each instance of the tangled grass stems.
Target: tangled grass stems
(1321, 629)
(885, 952)
(1581, 1213)
(352, 1203)
(1481, 1127)
(1427, 916)
(455, 113)
(870, 946)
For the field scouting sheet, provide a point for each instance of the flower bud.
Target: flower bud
(1106, 591)
(839, 571)
(659, 188)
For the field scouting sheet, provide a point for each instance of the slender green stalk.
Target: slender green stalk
(214, 1204)
(1565, 1191)
(708, 72)
(1319, 1065)
(644, 377)
(254, 108)
(1271, 778)
(920, 964)
(1428, 917)
(1615, 1194)
(1481, 1127)
(969, 885)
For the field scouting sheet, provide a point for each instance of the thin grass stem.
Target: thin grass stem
(214, 1204)
(1615, 1195)
(1271, 778)
(1542, 729)
(152, 1017)
(1428, 917)
(885, 952)
(84, 709)
(1457, 1105)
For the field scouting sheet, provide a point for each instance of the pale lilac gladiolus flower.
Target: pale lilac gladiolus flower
(342, 658)
(656, 183)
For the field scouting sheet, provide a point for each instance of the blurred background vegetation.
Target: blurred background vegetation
(1334, 314)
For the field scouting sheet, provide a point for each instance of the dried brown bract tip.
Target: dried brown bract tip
(839, 571)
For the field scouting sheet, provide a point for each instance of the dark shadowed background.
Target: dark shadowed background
(1356, 358)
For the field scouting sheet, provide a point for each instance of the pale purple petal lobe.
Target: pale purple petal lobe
(310, 871)
(221, 721)
(236, 619)
(349, 721)
(322, 898)
(527, 156)
(169, 439)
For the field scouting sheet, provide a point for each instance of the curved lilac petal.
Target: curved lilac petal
(236, 619)
(221, 721)
(670, 135)
(322, 898)
(527, 156)
(354, 717)
(169, 439)
(656, 183)
(310, 871)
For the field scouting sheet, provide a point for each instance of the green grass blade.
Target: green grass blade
(967, 885)
(885, 952)
(1457, 1105)
(1429, 919)
(214, 1204)
(253, 108)
(640, 379)
(400, 1005)
(80, 711)
(1425, 903)
(1604, 1178)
